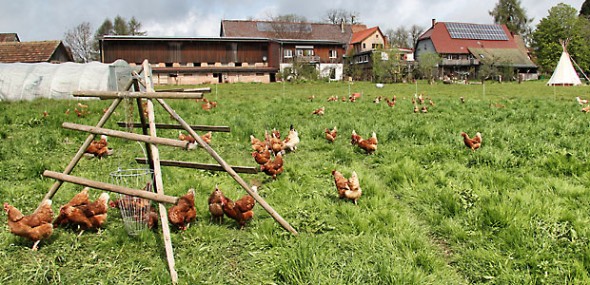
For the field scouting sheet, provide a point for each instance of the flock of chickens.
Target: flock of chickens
(81, 213)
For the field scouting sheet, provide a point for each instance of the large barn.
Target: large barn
(465, 47)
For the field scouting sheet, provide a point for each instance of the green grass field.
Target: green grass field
(516, 211)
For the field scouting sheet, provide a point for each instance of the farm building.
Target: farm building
(320, 45)
(193, 60)
(12, 50)
(465, 48)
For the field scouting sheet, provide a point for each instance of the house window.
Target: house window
(288, 53)
(308, 52)
(333, 53)
(299, 52)
(364, 45)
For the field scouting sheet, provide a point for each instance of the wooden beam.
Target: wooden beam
(229, 170)
(203, 128)
(149, 85)
(212, 167)
(127, 135)
(201, 90)
(130, 94)
(111, 187)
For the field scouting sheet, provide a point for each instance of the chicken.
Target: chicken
(416, 110)
(276, 144)
(187, 138)
(86, 216)
(586, 109)
(207, 137)
(333, 99)
(424, 109)
(355, 138)
(310, 98)
(472, 143)
(369, 145)
(292, 140)
(462, 99)
(241, 210)
(581, 101)
(183, 213)
(258, 145)
(319, 111)
(331, 134)
(139, 209)
(98, 148)
(35, 227)
(377, 100)
(354, 192)
(262, 157)
(431, 102)
(215, 205)
(276, 133)
(82, 106)
(79, 199)
(273, 168)
(206, 106)
(390, 103)
(341, 183)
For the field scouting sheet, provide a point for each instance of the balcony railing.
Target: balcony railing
(308, 58)
(460, 62)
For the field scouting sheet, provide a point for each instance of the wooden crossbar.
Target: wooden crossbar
(127, 135)
(129, 94)
(202, 128)
(201, 90)
(204, 166)
(111, 187)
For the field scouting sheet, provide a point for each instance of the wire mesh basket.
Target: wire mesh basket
(135, 211)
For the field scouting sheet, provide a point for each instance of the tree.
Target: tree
(561, 23)
(120, 26)
(428, 65)
(399, 37)
(134, 27)
(415, 32)
(585, 10)
(511, 14)
(81, 43)
(336, 16)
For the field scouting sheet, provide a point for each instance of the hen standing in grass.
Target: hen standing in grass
(240, 210)
(85, 215)
(472, 143)
(183, 213)
(215, 205)
(331, 134)
(35, 227)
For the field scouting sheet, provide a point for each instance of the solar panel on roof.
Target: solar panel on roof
(476, 31)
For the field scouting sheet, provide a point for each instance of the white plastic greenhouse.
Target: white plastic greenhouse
(29, 81)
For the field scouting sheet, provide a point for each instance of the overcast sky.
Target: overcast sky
(35, 20)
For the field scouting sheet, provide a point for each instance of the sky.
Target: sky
(35, 20)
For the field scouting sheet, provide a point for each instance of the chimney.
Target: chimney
(342, 25)
(433, 22)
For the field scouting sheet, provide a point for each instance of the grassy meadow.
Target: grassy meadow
(516, 211)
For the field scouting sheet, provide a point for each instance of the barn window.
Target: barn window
(288, 53)
(333, 53)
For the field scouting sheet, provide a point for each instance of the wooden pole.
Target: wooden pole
(128, 94)
(203, 128)
(81, 151)
(111, 187)
(158, 176)
(144, 131)
(228, 169)
(211, 167)
(201, 90)
(127, 135)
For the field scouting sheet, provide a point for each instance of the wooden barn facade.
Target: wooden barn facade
(197, 60)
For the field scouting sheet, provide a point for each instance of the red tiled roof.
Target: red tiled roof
(362, 35)
(27, 51)
(444, 44)
(285, 30)
(9, 37)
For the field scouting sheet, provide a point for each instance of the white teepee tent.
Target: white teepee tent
(564, 74)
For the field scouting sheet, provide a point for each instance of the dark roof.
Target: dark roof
(174, 38)
(445, 44)
(9, 37)
(287, 30)
(504, 56)
(28, 52)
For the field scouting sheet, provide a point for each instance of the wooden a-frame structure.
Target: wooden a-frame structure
(143, 85)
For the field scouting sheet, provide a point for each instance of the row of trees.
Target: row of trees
(84, 42)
